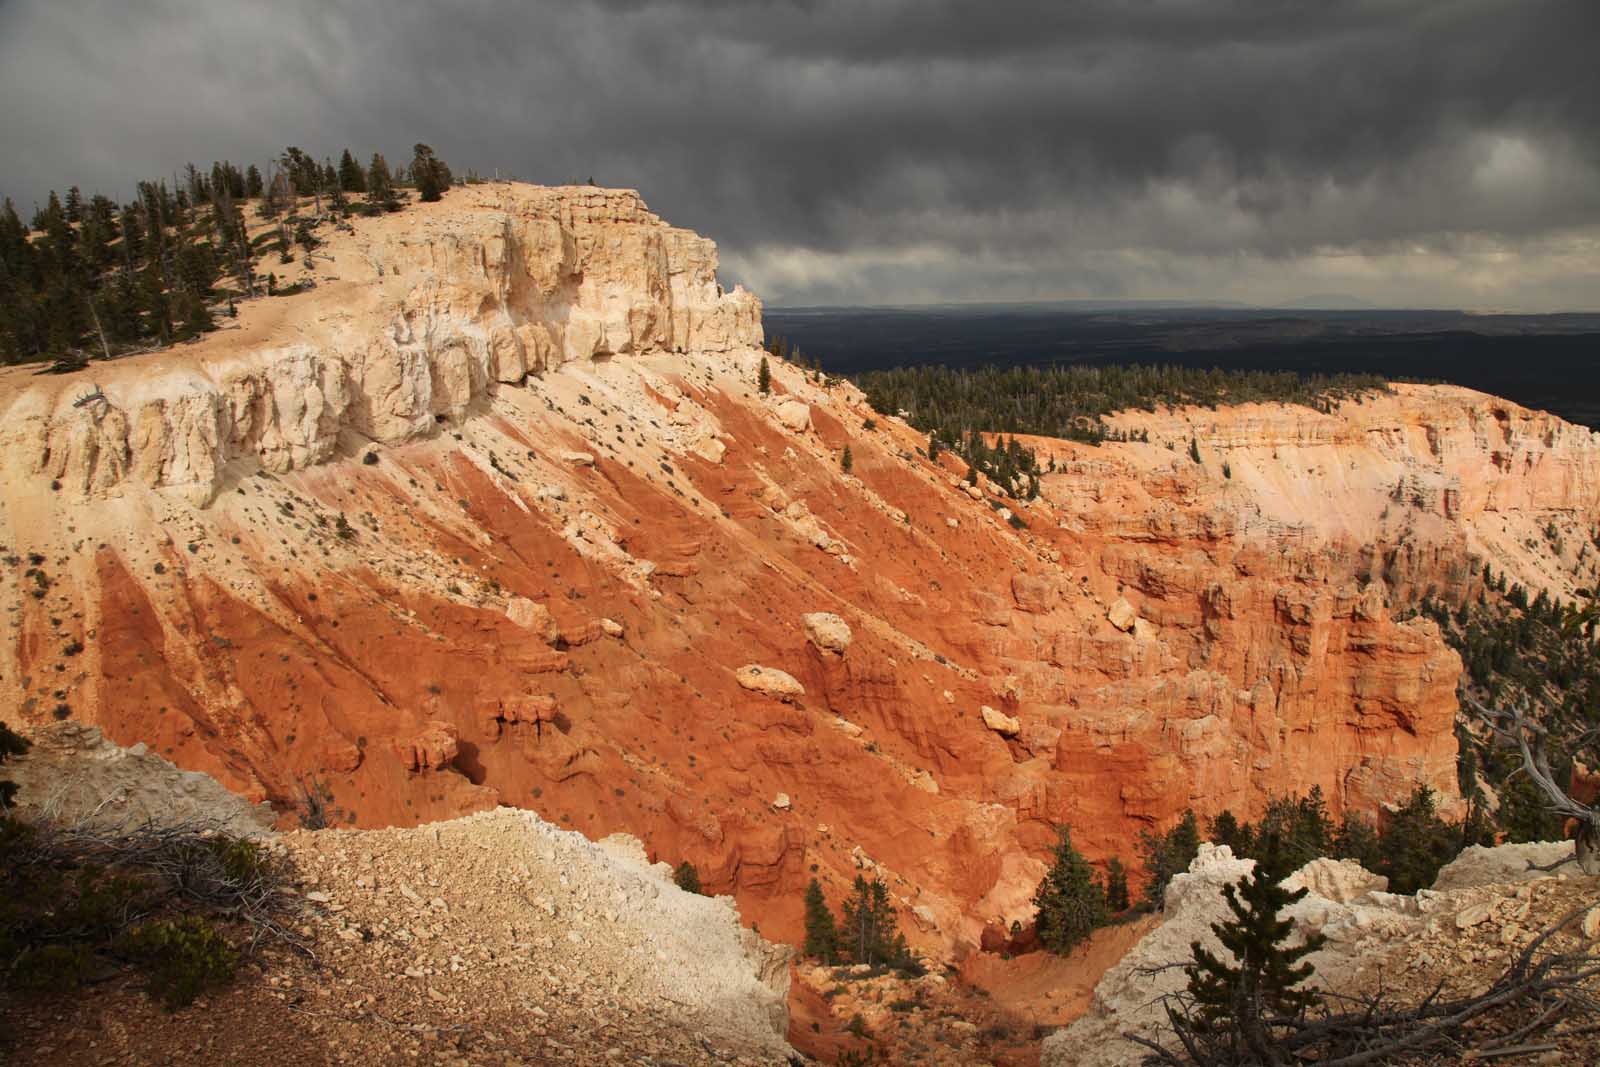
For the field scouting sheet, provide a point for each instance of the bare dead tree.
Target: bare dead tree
(1513, 726)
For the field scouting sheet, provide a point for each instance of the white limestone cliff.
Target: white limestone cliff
(410, 324)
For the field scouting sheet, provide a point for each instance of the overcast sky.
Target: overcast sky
(1403, 152)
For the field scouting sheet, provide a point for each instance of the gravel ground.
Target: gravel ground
(492, 939)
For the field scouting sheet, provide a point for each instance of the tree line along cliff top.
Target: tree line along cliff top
(1071, 401)
(91, 278)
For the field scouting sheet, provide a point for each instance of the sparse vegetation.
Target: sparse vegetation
(1414, 844)
(88, 278)
(183, 957)
(822, 933)
(1167, 854)
(1251, 1006)
(1523, 652)
(1070, 899)
(867, 931)
(686, 877)
(78, 900)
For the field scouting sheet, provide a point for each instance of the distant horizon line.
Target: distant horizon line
(1171, 304)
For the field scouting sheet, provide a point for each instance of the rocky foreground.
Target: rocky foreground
(1453, 940)
(495, 515)
(497, 939)
(491, 939)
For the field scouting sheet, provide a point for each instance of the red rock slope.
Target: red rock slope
(495, 515)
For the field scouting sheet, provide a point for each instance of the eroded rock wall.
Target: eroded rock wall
(517, 281)
(495, 514)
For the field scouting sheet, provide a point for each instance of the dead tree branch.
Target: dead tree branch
(1540, 991)
(1513, 726)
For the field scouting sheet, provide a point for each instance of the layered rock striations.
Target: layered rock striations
(424, 319)
(495, 514)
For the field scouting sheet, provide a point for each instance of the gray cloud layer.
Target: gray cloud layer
(1404, 151)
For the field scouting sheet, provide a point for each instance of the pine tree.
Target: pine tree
(196, 316)
(869, 931)
(380, 184)
(764, 377)
(1226, 829)
(1166, 855)
(1243, 996)
(252, 181)
(351, 179)
(1302, 826)
(1070, 900)
(1117, 898)
(1416, 844)
(822, 933)
(429, 173)
(1358, 840)
(846, 460)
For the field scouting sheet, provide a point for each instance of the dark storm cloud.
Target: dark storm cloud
(862, 150)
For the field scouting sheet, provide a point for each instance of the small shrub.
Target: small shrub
(857, 1025)
(53, 968)
(100, 906)
(686, 878)
(241, 860)
(183, 957)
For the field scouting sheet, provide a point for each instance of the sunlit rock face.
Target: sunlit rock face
(496, 514)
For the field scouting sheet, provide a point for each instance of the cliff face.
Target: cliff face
(1415, 483)
(495, 515)
(420, 323)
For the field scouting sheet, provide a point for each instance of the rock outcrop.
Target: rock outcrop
(827, 631)
(769, 681)
(1402, 944)
(1001, 723)
(431, 318)
(71, 775)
